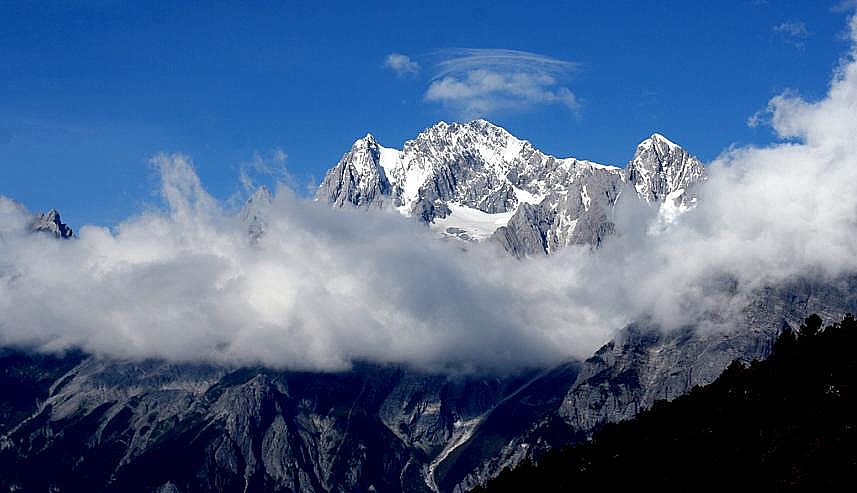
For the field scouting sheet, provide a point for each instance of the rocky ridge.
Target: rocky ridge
(475, 181)
(51, 223)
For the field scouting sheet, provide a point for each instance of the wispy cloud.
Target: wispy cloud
(794, 33)
(401, 64)
(845, 6)
(270, 165)
(479, 82)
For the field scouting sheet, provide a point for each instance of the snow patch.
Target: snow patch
(527, 197)
(473, 223)
(390, 160)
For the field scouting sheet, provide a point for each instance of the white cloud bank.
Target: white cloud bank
(323, 288)
(320, 288)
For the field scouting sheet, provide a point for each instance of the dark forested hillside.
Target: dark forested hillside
(786, 423)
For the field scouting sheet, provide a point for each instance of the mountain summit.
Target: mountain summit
(51, 223)
(475, 181)
(660, 168)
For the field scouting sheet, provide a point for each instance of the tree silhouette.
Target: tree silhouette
(783, 424)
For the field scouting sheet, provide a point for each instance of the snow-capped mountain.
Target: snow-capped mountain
(78, 422)
(661, 169)
(476, 181)
(51, 223)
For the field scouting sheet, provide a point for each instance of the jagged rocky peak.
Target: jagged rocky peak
(358, 178)
(365, 153)
(480, 136)
(475, 181)
(262, 195)
(51, 223)
(660, 168)
(465, 164)
(254, 212)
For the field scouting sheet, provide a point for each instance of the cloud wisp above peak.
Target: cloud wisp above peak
(457, 60)
(401, 65)
(481, 82)
(793, 32)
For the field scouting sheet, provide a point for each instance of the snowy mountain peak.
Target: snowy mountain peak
(661, 168)
(473, 131)
(657, 139)
(367, 141)
(476, 181)
(51, 223)
(359, 178)
(472, 124)
(484, 125)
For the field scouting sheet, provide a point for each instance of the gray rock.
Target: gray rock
(255, 212)
(644, 364)
(528, 232)
(51, 223)
(660, 168)
(358, 179)
(556, 202)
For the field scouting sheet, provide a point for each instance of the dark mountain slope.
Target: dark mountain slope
(786, 423)
(26, 379)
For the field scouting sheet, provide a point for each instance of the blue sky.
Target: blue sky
(91, 90)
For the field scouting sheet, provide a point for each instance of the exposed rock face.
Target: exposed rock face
(359, 178)
(527, 232)
(122, 426)
(50, 223)
(579, 214)
(661, 168)
(476, 181)
(254, 212)
(644, 364)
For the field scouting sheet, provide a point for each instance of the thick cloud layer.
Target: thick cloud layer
(322, 288)
(319, 289)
